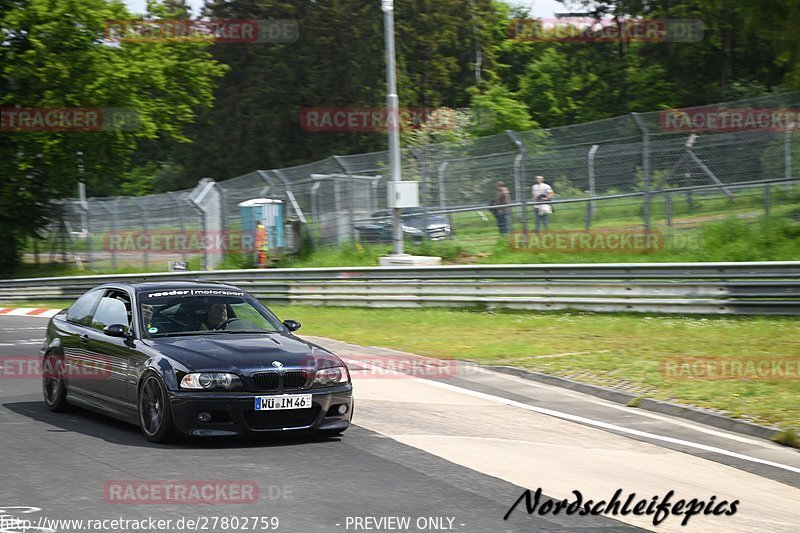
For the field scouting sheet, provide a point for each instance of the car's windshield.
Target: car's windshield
(199, 312)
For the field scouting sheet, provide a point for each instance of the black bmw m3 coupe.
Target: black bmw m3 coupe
(194, 358)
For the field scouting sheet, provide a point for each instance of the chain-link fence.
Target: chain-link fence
(665, 169)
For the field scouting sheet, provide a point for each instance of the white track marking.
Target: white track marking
(586, 421)
(611, 427)
(696, 426)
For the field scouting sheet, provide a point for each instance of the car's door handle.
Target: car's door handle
(84, 338)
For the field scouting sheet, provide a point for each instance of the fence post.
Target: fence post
(143, 217)
(223, 208)
(519, 184)
(645, 171)
(115, 227)
(350, 197)
(269, 186)
(287, 192)
(668, 208)
(592, 189)
(197, 209)
(315, 207)
(442, 198)
(423, 173)
(787, 154)
(182, 230)
(86, 231)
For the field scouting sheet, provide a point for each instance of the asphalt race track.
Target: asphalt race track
(451, 454)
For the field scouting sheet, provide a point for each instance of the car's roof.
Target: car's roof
(147, 286)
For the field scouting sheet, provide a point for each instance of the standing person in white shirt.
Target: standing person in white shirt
(541, 193)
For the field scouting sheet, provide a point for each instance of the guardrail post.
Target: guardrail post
(350, 197)
(592, 190)
(645, 171)
(519, 184)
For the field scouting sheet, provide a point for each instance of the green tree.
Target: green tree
(52, 55)
(497, 110)
(443, 47)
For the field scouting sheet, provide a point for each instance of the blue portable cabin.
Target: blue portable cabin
(270, 212)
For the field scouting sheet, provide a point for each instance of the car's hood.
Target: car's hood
(244, 353)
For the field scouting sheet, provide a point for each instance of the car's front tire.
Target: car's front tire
(53, 386)
(155, 411)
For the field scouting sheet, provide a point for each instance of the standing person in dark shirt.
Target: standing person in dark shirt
(502, 214)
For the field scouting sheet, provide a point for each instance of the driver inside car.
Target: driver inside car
(216, 315)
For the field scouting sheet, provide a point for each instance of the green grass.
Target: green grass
(616, 350)
(774, 238)
(356, 254)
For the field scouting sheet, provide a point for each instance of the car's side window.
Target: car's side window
(81, 311)
(114, 308)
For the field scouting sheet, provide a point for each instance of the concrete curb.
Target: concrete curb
(690, 413)
(38, 312)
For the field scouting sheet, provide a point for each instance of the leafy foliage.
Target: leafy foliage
(52, 56)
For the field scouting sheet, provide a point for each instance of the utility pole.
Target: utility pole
(392, 107)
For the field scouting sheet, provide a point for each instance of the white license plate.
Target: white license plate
(287, 401)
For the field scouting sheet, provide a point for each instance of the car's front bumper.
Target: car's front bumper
(234, 414)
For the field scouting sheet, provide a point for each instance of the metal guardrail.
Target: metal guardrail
(706, 288)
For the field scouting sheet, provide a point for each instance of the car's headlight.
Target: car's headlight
(210, 381)
(334, 375)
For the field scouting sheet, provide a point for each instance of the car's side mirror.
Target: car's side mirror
(117, 330)
(291, 325)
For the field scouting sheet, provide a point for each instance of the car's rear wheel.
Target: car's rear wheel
(53, 386)
(155, 411)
